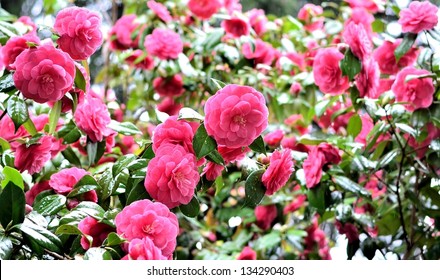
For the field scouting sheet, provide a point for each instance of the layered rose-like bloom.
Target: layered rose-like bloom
(204, 9)
(64, 181)
(79, 30)
(236, 27)
(236, 115)
(44, 73)
(15, 46)
(172, 176)
(258, 21)
(417, 92)
(279, 171)
(363, 17)
(169, 86)
(372, 6)
(310, 15)
(327, 73)
(247, 254)
(147, 219)
(98, 231)
(32, 193)
(92, 117)
(147, 63)
(143, 249)
(265, 215)
(357, 39)
(367, 126)
(175, 132)
(33, 157)
(312, 166)
(418, 16)
(120, 33)
(263, 52)
(384, 55)
(160, 10)
(367, 81)
(164, 43)
(274, 138)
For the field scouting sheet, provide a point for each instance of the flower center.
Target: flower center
(238, 119)
(148, 229)
(47, 79)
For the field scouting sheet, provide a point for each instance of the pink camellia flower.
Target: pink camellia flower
(8, 132)
(367, 126)
(265, 215)
(212, 171)
(147, 219)
(373, 184)
(172, 176)
(367, 81)
(121, 32)
(373, 6)
(262, 53)
(173, 131)
(296, 121)
(232, 154)
(297, 203)
(37, 188)
(160, 10)
(33, 157)
(421, 147)
(164, 43)
(236, 115)
(15, 46)
(44, 73)
(310, 15)
(384, 55)
(79, 30)
(247, 254)
(204, 9)
(143, 249)
(357, 39)
(350, 231)
(92, 117)
(258, 21)
(295, 88)
(312, 51)
(417, 92)
(236, 27)
(64, 181)
(169, 86)
(147, 63)
(331, 154)
(316, 242)
(340, 122)
(312, 166)
(363, 17)
(274, 138)
(98, 231)
(169, 106)
(418, 16)
(279, 171)
(232, 6)
(327, 73)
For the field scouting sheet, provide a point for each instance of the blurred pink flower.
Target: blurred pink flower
(204, 9)
(265, 215)
(261, 53)
(79, 30)
(160, 10)
(236, 27)
(64, 181)
(274, 138)
(316, 242)
(164, 43)
(247, 254)
(356, 37)
(232, 154)
(367, 126)
(373, 6)
(258, 21)
(312, 166)
(236, 115)
(121, 32)
(169, 86)
(147, 63)
(212, 171)
(327, 73)
(310, 15)
(432, 132)
(419, 16)
(367, 82)
(170, 106)
(279, 171)
(297, 203)
(37, 188)
(363, 17)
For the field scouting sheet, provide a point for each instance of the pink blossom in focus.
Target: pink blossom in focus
(279, 171)
(143, 249)
(327, 73)
(79, 30)
(363, 17)
(419, 16)
(356, 37)
(164, 43)
(64, 181)
(147, 219)
(15, 46)
(367, 82)
(232, 154)
(212, 171)
(236, 115)
(175, 132)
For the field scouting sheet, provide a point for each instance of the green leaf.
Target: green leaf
(91, 208)
(122, 163)
(125, 128)
(12, 205)
(6, 247)
(6, 16)
(74, 217)
(268, 241)
(203, 144)
(80, 81)
(96, 254)
(7, 83)
(258, 145)
(215, 157)
(30, 127)
(69, 132)
(350, 65)
(405, 45)
(68, 230)
(86, 184)
(17, 111)
(4, 145)
(254, 189)
(113, 239)
(386, 159)
(322, 105)
(352, 249)
(41, 237)
(213, 39)
(354, 126)
(388, 224)
(95, 150)
(54, 116)
(191, 209)
(148, 152)
(12, 175)
(71, 156)
(407, 129)
(50, 205)
(351, 186)
(378, 26)
(317, 198)
(138, 192)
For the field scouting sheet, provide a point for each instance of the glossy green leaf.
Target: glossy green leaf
(54, 116)
(122, 163)
(95, 150)
(12, 205)
(388, 158)
(68, 230)
(74, 217)
(354, 126)
(258, 145)
(91, 209)
(213, 39)
(138, 192)
(12, 175)
(97, 254)
(17, 111)
(86, 184)
(41, 237)
(203, 144)
(351, 186)
(69, 133)
(125, 128)
(405, 45)
(50, 205)
(7, 83)
(71, 156)
(254, 189)
(215, 157)
(4, 145)
(316, 197)
(191, 209)
(350, 65)
(113, 239)
(6, 247)
(80, 81)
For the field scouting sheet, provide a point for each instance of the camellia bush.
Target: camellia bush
(209, 132)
